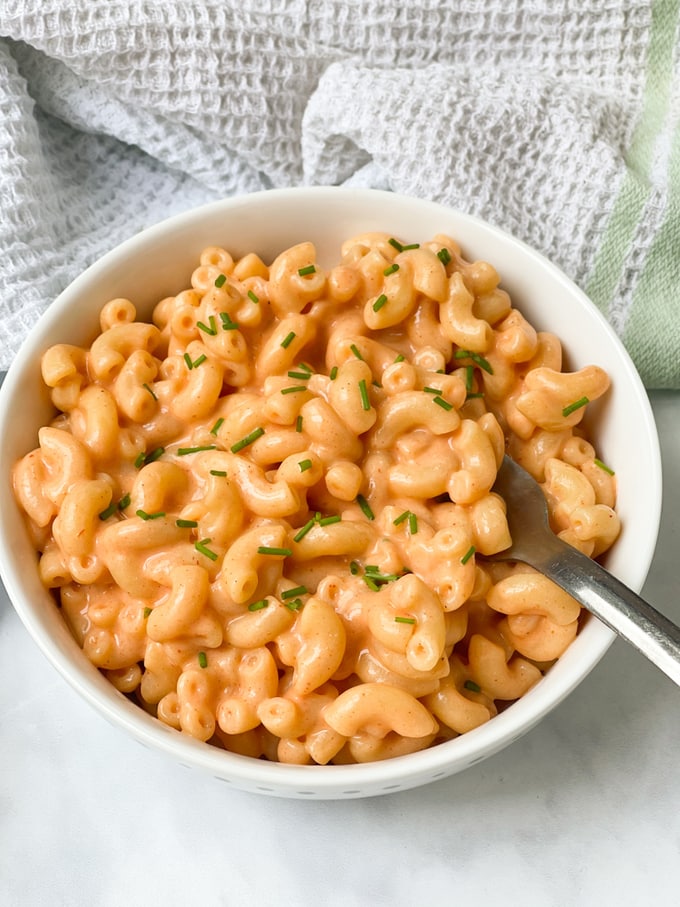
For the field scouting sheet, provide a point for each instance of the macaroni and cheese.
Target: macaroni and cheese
(268, 514)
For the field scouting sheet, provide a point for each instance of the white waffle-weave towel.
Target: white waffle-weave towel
(558, 122)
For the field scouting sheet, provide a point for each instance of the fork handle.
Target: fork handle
(617, 606)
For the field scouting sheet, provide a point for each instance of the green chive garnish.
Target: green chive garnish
(363, 390)
(143, 515)
(244, 442)
(603, 466)
(391, 270)
(124, 502)
(354, 568)
(147, 612)
(185, 451)
(444, 256)
(440, 401)
(202, 660)
(275, 552)
(401, 518)
(154, 455)
(468, 554)
(139, 459)
(303, 272)
(110, 510)
(476, 358)
(293, 389)
(568, 410)
(186, 524)
(329, 520)
(199, 361)
(287, 340)
(227, 323)
(404, 620)
(150, 390)
(334, 373)
(396, 244)
(301, 376)
(220, 281)
(202, 548)
(218, 472)
(293, 593)
(301, 533)
(252, 297)
(293, 604)
(399, 358)
(433, 390)
(380, 302)
(413, 245)
(211, 329)
(356, 352)
(305, 465)
(365, 506)
(412, 523)
(472, 686)
(187, 359)
(258, 606)
(217, 426)
(298, 424)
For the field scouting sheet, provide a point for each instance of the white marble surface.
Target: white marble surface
(584, 810)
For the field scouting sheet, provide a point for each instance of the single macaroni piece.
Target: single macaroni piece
(268, 515)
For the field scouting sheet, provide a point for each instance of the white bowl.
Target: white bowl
(156, 263)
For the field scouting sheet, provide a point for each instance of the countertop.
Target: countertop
(583, 810)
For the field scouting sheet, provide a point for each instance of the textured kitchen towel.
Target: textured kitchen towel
(557, 121)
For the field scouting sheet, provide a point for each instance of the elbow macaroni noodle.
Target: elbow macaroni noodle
(268, 516)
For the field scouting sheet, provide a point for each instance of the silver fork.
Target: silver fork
(534, 543)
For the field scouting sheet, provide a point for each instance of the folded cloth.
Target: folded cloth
(556, 122)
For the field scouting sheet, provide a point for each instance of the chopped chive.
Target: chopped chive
(293, 604)
(472, 686)
(293, 389)
(147, 612)
(185, 451)
(293, 593)
(444, 256)
(393, 268)
(372, 568)
(476, 358)
(469, 377)
(363, 390)
(440, 401)
(139, 459)
(402, 516)
(603, 466)
(371, 583)
(303, 272)
(334, 373)
(298, 424)
(568, 410)
(396, 244)
(287, 340)
(301, 533)
(404, 620)
(302, 376)
(220, 281)
(399, 358)
(208, 329)
(217, 426)
(365, 506)
(468, 554)
(305, 367)
(412, 245)
(305, 465)
(227, 323)
(218, 472)
(187, 359)
(110, 510)
(473, 397)
(258, 606)
(252, 297)
(201, 359)
(354, 568)
(412, 523)
(433, 390)
(354, 348)
(143, 515)
(274, 552)
(202, 548)
(124, 502)
(155, 454)
(186, 524)
(329, 520)
(150, 390)
(380, 302)
(202, 660)
(244, 442)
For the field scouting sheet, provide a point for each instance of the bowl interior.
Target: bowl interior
(157, 263)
